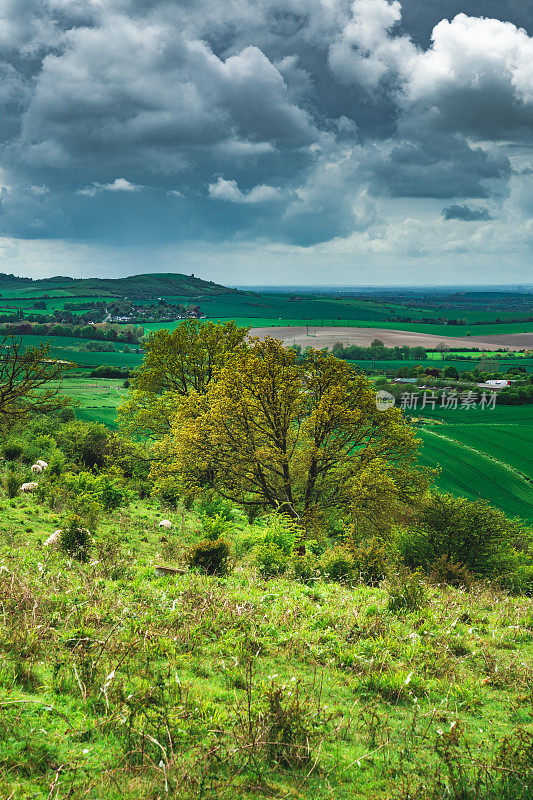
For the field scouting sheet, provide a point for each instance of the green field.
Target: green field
(65, 348)
(344, 322)
(484, 454)
(461, 366)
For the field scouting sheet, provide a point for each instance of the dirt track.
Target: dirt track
(326, 337)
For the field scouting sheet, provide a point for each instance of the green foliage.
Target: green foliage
(12, 450)
(305, 568)
(302, 438)
(212, 557)
(470, 533)
(281, 532)
(101, 488)
(75, 538)
(271, 560)
(407, 591)
(175, 364)
(337, 565)
(215, 527)
(12, 482)
(371, 562)
(56, 464)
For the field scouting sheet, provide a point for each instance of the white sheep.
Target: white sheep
(53, 540)
(28, 487)
(166, 524)
(36, 469)
(42, 464)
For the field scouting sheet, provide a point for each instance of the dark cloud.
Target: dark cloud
(285, 120)
(430, 163)
(466, 213)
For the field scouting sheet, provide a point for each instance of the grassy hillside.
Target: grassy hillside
(142, 286)
(120, 684)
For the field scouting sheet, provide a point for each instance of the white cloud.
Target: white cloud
(118, 185)
(365, 52)
(229, 191)
(478, 75)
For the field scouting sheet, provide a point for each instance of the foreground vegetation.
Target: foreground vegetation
(252, 590)
(334, 675)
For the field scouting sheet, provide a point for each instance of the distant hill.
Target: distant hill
(138, 286)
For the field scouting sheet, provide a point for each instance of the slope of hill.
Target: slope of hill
(139, 286)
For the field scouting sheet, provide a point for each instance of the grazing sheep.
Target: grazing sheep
(36, 469)
(43, 464)
(166, 524)
(53, 540)
(28, 487)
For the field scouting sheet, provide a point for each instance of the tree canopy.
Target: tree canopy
(26, 378)
(176, 363)
(300, 437)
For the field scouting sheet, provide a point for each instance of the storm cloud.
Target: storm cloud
(303, 124)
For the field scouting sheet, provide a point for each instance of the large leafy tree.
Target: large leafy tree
(29, 380)
(176, 363)
(302, 437)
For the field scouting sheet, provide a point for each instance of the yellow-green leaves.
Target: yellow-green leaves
(301, 437)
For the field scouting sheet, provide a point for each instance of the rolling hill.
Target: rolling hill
(138, 286)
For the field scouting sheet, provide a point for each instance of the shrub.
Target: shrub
(101, 488)
(270, 560)
(215, 527)
(56, 464)
(305, 568)
(370, 561)
(12, 450)
(337, 565)
(444, 570)
(281, 531)
(12, 483)
(211, 556)
(168, 493)
(289, 728)
(67, 414)
(75, 538)
(210, 506)
(407, 591)
(470, 533)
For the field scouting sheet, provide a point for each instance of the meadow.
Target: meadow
(122, 683)
(68, 348)
(97, 399)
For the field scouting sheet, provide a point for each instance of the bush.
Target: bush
(100, 488)
(75, 538)
(281, 531)
(444, 570)
(270, 560)
(168, 493)
(470, 533)
(370, 561)
(305, 568)
(337, 565)
(215, 527)
(12, 483)
(211, 556)
(407, 591)
(12, 450)
(56, 464)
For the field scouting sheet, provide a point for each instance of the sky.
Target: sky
(361, 142)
